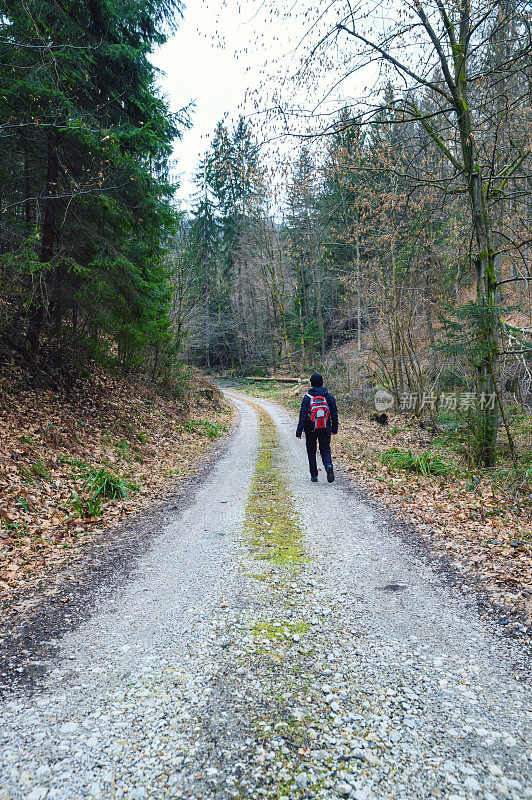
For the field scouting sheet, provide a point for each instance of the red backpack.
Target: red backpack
(319, 412)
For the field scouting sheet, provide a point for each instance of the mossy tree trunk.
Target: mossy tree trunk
(487, 332)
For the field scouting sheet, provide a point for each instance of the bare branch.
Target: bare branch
(397, 64)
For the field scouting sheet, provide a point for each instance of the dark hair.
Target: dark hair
(316, 380)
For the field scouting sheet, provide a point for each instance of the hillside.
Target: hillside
(74, 463)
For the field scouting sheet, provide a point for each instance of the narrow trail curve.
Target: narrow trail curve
(217, 673)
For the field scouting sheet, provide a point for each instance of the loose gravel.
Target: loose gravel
(217, 672)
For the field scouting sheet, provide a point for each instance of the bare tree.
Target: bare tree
(438, 50)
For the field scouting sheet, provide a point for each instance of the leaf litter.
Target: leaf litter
(75, 464)
(484, 527)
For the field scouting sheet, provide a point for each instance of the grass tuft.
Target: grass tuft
(204, 427)
(425, 464)
(40, 469)
(85, 506)
(104, 483)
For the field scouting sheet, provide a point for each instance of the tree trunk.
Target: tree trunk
(359, 320)
(428, 307)
(207, 318)
(488, 418)
(2, 241)
(50, 203)
(36, 312)
(487, 332)
(155, 364)
(319, 312)
(301, 331)
(27, 185)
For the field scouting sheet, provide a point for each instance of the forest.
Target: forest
(396, 253)
(216, 581)
(85, 198)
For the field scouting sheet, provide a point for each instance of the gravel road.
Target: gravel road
(216, 672)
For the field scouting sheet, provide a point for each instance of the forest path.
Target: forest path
(315, 656)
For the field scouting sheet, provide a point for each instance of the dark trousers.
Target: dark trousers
(323, 438)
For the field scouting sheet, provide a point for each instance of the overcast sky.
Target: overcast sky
(206, 62)
(231, 57)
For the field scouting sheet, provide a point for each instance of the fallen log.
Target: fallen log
(277, 379)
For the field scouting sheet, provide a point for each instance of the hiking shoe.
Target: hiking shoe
(314, 478)
(330, 474)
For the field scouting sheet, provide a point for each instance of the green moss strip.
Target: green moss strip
(271, 526)
(277, 631)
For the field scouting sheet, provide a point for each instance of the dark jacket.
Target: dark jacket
(305, 424)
